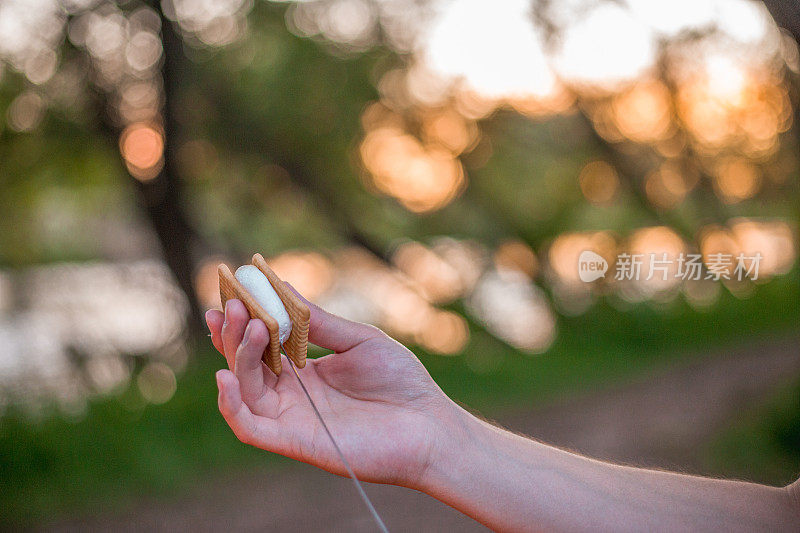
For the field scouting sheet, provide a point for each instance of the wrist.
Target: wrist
(453, 445)
(483, 471)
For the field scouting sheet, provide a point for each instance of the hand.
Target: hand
(395, 425)
(378, 400)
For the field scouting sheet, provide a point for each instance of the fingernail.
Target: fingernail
(247, 332)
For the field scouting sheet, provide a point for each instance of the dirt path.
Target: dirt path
(661, 419)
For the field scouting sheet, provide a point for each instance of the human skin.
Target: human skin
(397, 426)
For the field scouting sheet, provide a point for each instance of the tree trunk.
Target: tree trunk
(162, 198)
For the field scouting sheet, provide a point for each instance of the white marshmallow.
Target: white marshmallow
(256, 283)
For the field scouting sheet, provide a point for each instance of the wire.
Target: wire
(350, 472)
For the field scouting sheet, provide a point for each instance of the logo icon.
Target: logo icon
(591, 266)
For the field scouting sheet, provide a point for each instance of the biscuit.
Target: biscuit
(229, 288)
(296, 346)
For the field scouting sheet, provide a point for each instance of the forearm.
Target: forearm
(511, 483)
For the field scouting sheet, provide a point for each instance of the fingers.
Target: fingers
(334, 332)
(248, 428)
(214, 319)
(236, 318)
(326, 330)
(233, 409)
(248, 368)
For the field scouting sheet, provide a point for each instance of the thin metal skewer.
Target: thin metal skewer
(350, 472)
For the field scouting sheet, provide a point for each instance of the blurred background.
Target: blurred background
(433, 167)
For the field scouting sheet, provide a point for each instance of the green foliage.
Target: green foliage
(119, 449)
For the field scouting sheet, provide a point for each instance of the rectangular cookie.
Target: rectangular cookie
(296, 346)
(229, 288)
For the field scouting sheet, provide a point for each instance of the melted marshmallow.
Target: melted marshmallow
(256, 283)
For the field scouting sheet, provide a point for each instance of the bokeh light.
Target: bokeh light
(399, 299)
(157, 383)
(444, 333)
(439, 280)
(773, 239)
(213, 23)
(103, 314)
(422, 178)
(142, 148)
(449, 129)
(642, 113)
(350, 24)
(604, 47)
(514, 309)
(516, 255)
(493, 49)
(107, 373)
(570, 294)
(667, 186)
(599, 182)
(736, 179)
(311, 273)
(25, 112)
(659, 248)
(701, 294)
(29, 35)
(563, 253)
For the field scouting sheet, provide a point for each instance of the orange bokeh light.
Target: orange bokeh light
(516, 255)
(667, 186)
(566, 248)
(773, 239)
(142, 148)
(450, 130)
(423, 179)
(599, 182)
(439, 280)
(642, 114)
(736, 180)
(444, 332)
(310, 273)
(665, 245)
(734, 103)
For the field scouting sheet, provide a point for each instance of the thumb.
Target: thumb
(334, 332)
